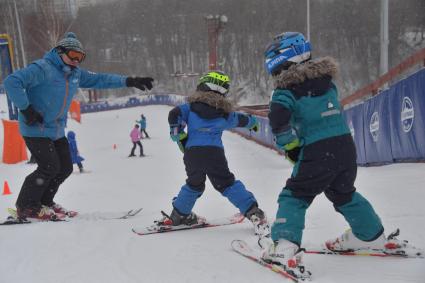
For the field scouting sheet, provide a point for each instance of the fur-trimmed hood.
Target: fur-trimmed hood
(297, 74)
(212, 99)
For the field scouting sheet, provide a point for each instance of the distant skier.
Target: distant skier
(73, 149)
(136, 136)
(207, 114)
(142, 123)
(43, 91)
(307, 123)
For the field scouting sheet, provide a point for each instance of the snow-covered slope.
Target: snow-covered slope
(107, 251)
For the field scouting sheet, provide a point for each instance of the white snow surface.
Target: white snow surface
(108, 251)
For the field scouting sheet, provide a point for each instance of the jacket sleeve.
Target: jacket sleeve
(101, 81)
(178, 114)
(238, 120)
(281, 107)
(18, 83)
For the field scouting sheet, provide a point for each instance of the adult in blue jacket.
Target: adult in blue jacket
(206, 115)
(43, 92)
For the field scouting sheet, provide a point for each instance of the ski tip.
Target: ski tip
(136, 232)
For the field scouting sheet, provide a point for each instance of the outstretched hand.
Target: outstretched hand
(144, 83)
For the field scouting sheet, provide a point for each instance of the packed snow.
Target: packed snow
(90, 250)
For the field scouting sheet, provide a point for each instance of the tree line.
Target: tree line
(161, 37)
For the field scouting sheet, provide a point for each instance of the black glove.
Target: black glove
(292, 155)
(140, 83)
(31, 116)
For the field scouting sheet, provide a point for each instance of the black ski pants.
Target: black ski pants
(144, 131)
(202, 161)
(327, 166)
(135, 144)
(54, 166)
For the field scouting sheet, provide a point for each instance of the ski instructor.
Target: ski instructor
(43, 92)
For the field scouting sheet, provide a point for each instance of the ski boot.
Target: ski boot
(259, 220)
(57, 208)
(45, 213)
(176, 219)
(286, 255)
(349, 242)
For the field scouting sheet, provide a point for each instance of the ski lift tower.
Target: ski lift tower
(215, 25)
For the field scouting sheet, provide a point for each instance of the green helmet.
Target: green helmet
(214, 81)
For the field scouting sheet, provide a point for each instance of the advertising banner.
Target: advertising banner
(407, 116)
(377, 129)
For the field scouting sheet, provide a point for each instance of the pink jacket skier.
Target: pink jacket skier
(136, 136)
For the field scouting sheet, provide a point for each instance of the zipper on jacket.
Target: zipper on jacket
(63, 105)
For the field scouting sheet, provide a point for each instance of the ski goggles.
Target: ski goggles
(75, 55)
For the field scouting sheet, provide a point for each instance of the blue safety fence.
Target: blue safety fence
(376, 138)
(157, 99)
(390, 127)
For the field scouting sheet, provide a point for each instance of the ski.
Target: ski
(295, 274)
(155, 228)
(93, 216)
(12, 219)
(393, 248)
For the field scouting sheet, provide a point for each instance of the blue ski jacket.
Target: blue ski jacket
(142, 123)
(206, 116)
(49, 85)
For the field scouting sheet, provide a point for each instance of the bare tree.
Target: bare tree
(46, 26)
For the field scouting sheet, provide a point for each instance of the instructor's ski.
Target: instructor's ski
(157, 228)
(94, 216)
(12, 219)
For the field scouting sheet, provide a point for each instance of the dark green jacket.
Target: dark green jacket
(305, 103)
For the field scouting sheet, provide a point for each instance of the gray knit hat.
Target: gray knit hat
(70, 42)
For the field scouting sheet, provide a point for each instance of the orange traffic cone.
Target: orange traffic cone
(114, 146)
(6, 189)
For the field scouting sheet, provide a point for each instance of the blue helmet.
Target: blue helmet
(286, 49)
